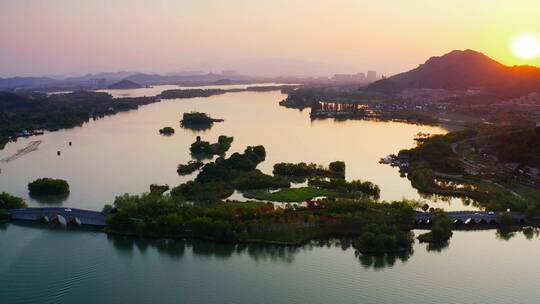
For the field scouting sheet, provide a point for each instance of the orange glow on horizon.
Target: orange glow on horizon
(262, 37)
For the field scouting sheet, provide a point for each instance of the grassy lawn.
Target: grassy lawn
(290, 194)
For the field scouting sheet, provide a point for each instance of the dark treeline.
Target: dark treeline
(37, 111)
(437, 152)
(190, 93)
(307, 97)
(522, 147)
(303, 170)
(169, 215)
(353, 188)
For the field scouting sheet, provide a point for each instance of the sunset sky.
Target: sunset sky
(300, 37)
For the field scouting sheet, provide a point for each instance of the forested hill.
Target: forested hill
(462, 70)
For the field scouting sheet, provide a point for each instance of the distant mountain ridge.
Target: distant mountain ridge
(462, 70)
(26, 82)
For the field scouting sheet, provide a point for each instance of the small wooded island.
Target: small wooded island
(49, 186)
(190, 93)
(197, 121)
(166, 131)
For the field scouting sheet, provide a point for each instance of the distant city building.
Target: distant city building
(371, 75)
(349, 78)
(342, 77)
(360, 77)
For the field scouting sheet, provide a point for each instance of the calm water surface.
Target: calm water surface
(125, 154)
(40, 265)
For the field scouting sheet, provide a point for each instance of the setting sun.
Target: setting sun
(526, 46)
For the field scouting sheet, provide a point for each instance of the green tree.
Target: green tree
(8, 201)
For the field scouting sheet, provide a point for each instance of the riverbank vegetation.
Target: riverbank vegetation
(383, 239)
(8, 201)
(38, 111)
(49, 186)
(440, 165)
(441, 230)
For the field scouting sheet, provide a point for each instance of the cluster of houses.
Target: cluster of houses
(401, 161)
(28, 133)
(524, 174)
(338, 110)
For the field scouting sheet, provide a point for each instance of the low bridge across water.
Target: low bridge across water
(94, 218)
(467, 217)
(66, 216)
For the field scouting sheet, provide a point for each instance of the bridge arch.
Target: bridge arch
(457, 222)
(74, 221)
(59, 219)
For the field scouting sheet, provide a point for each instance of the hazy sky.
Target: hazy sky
(50, 37)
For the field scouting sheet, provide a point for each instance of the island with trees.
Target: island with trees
(198, 121)
(167, 131)
(199, 208)
(153, 215)
(190, 167)
(49, 186)
(190, 93)
(201, 148)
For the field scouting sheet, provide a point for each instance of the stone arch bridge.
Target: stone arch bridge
(468, 217)
(64, 216)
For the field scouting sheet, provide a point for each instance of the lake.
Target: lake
(124, 153)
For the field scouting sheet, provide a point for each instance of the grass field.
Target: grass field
(289, 195)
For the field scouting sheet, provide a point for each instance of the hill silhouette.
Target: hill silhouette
(462, 70)
(125, 84)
